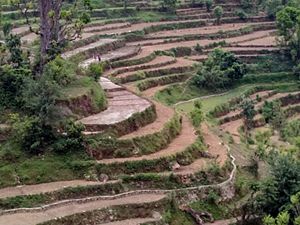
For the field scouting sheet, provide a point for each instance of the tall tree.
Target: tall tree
(58, 25)
(288, 24)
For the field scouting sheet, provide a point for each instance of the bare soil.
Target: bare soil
(179, 144)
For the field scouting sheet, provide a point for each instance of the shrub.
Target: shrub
(291, 130)
(95, 70)
(197, 114)
(181, 51)
(60, 70)
(273, 114)
(71, 139)
(208, 5)
(296, 71)
(241, 14)
(168, 5)
(30, 133)
(198, 48)
(218, 13)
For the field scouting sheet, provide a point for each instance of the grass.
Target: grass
(16, 165)
(153, 16)
(175, 93)
(88, 87)
(210, 103)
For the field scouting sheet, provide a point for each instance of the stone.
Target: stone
(103, 178)
(175, 166)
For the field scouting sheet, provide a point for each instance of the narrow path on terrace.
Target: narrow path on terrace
(158, 61)
(43, 188)
(87, 47)
(149, 93)
(180, 63)
(117, 54)
(203, 30)
(32, 218)
(182, 141)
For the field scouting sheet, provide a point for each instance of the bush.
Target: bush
(11, 85)
(221, 70)
(218, 13)
(181, 51)
(60, 70)
(95, 70)
(208, 5)
(197, 114)
(291, 130)
(30, 133)
(241, 14)
(168, 5)
(72, 138)
(296, 71)
(199, 48)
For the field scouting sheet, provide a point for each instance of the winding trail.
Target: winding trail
(43, 188)
(32, 218)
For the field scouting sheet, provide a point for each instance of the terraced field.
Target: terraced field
(138, 69)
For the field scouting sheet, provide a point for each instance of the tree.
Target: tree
(57, 25)
(273, 114)
(289, 216)
(125, 3)
(218, 13)
(248, 113)
(288, 25)
(274, 193)
(169, 5)
(221, 70)
(208, 5)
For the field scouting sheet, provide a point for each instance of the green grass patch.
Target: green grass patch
(210, 103)
(16, 166)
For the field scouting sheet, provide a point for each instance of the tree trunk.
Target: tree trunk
(45, 29)
(56, 6)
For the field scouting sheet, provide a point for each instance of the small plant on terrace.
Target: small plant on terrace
(208, 5)
(248, 113)
(218, 13)
(197, 114)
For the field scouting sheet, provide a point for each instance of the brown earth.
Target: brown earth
(182, 141)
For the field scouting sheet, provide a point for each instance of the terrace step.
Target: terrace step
(122, 105)
(103, 45)
(186, 138)
(45, 214)
(163, 80)
(180, 66)
(105, 27)
(45, 187)
(216, 149)
(163, 113)
(115, 55)
(158, 61)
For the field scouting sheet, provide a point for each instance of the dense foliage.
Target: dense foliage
(221, 70)
(288, 24)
